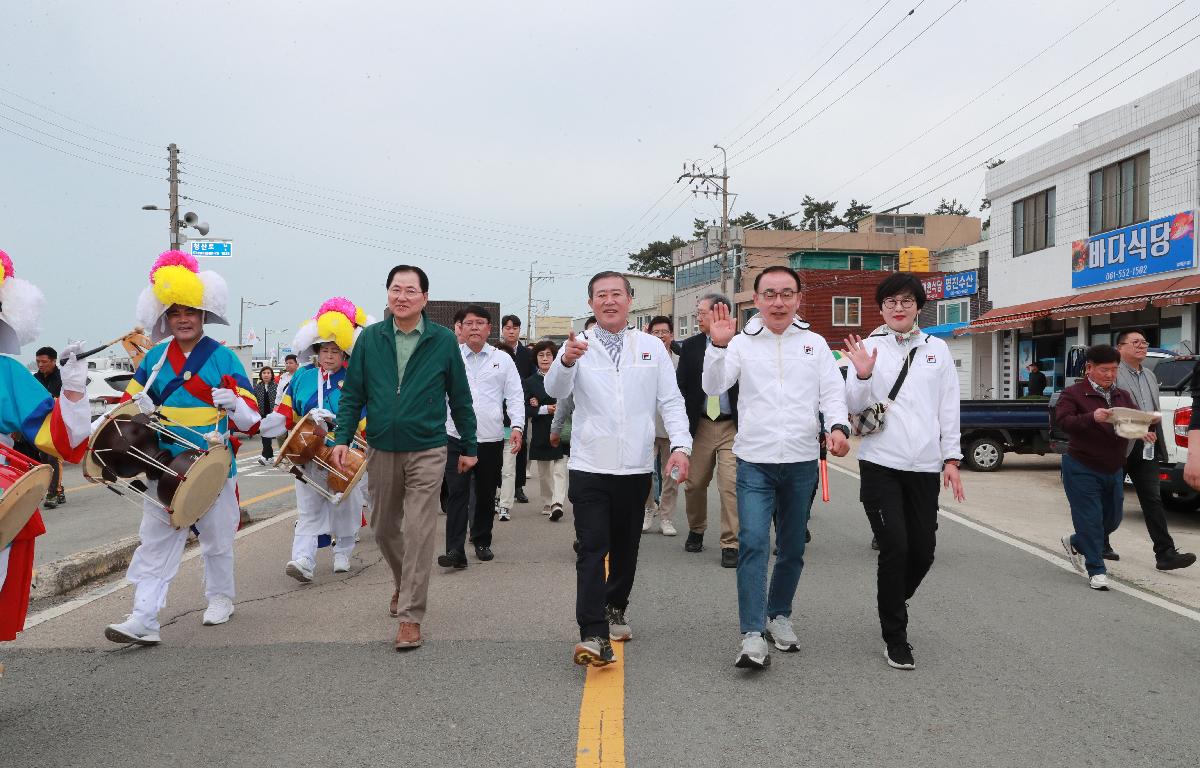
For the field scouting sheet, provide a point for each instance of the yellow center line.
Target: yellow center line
(270, 494)
(601, 742)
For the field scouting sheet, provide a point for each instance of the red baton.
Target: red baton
(824, 480)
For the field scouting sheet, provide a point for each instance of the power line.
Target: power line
(79, 157)
(844, 94)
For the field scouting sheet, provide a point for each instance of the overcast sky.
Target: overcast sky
(474, 138)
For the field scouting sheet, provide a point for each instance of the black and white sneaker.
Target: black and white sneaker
(1073, 554)
(899, 656)
(754, 653)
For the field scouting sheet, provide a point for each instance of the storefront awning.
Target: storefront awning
(945, 329)
(1126, 298)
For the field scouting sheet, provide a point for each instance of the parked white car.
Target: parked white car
(1174, 374)
(105, 387)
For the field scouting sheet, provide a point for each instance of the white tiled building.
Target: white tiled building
(1103, 187)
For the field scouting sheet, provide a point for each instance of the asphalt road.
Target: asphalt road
(94, 516)
(1019, 663)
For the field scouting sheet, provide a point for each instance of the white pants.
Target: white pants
(316, 516)
(552, 475)
(508, 478)
(4, 564)
(157, 558)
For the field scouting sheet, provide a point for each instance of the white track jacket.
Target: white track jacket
(786, 382)
(612, 427)
(921, 428)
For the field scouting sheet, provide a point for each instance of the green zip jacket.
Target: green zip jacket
(411, 416)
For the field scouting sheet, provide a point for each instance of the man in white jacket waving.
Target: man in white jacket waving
(619, 378)
(787, 379)
(901, 465)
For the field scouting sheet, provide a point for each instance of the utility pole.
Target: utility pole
(529, 302)
(704, 182)
(173, 178)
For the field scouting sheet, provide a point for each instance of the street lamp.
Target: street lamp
(267, 332)
(242, 313)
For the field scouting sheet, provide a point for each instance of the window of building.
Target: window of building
(890, 263)
(681, 324)
(1119, 194)
(1033, 223)
(855, 262)
(900, 225)
(954, 311)
(847, 310)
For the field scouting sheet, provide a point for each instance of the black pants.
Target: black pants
(902, 509)
(55, 463)
(268, 451)
(522, 463)
(1144, 475)
(608, 521)
(459, 510)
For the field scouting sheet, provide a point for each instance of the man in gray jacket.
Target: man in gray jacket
(1141, 464)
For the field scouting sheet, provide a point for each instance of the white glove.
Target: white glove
(272, 425)
(225, 398)
(144, 403)
(320, 414)
(74, 371)
(216, 437)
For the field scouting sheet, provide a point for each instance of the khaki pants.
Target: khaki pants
(712, 448)
(405, 500)
(669, 488)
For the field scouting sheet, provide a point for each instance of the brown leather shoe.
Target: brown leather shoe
(394, 607)
(409, 636)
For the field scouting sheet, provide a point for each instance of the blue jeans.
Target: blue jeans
(1096, 500)
(759, 488)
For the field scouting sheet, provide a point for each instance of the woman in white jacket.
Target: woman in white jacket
(904, 465)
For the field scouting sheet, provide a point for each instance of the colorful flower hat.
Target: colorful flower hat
(20, 309)
(176, 278)
(338, 321)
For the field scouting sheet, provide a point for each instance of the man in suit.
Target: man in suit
(48, 375)
(510, 331)
(713, 424)
(1143, 456)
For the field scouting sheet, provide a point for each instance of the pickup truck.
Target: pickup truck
(1175, 402)
(991, 428)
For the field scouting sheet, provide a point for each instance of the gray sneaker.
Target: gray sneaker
(753, 653)
(779, 631)
(618, 627)
(1073, 554)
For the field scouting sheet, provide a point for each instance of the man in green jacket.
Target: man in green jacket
(404, 371)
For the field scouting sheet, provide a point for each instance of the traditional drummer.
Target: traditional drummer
(199, 388)
(316, 390)
(58, 427)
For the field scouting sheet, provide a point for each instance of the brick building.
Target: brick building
(442, 313)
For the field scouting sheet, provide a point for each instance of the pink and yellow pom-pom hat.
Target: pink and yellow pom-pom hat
(338, 320)
(21, 306)
(176, 278)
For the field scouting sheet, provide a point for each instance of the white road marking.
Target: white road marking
(118, 584)
(1055, 560)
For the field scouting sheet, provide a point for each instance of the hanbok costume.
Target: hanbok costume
(27, 409)
(201, 395)
(315, 391)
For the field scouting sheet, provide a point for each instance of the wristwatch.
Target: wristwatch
(841, 428)
(950, 461)
(685, 451)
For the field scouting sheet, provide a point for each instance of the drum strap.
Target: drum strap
(187, 376)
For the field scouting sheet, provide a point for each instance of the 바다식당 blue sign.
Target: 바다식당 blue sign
(1161, 245)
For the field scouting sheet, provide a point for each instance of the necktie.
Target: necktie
(713, 407)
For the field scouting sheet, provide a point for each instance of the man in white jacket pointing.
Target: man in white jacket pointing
(787, 379)
(619, 377)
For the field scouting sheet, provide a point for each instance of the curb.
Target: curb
(70, 573)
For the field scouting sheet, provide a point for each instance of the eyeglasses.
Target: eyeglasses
(1138, 343)
(660, 333)
(771, 294)
(908, 302)
(408, 293)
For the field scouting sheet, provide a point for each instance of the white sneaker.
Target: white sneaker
(779, 630)
(264, 460)
(220, 608)
(131, 631)
(668, 528)
(1072, 554)
(648, 521)
(754, 653)
(504, 514)
(300, 570)
(1099, 581)
(341, 562)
